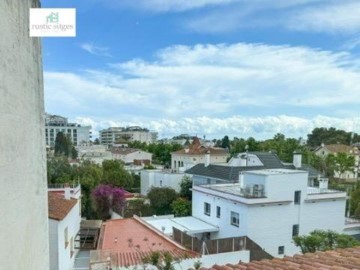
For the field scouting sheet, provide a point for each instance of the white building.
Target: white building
(23, 207)
(270, 207)
(131, 155)
(324, 150)
(54, 124)
(64, 225)
(160, 178)
(196, 153)
(114, 135)
(94, 153)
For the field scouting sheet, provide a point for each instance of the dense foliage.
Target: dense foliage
(106, 199)
(64, 146)
(90, 175)
(161, 199)
(331, 136)
(161, 151)
(185, 188)
(181, 207)
(319, 240)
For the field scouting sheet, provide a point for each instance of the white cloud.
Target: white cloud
(238, 126)
(188, 86)
(95, 50)
(341, 17)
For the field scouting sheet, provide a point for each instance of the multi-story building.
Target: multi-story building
(270, 207)
(55, 124)
(114, 135)
(23, 208)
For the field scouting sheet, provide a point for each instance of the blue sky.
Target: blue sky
(208, 67)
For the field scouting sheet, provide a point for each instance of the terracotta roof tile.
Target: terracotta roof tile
(197, 149)
(339, 259)
(130, 240)
(59, 207)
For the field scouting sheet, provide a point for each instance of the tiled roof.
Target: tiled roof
(339, 259)
(197, 149)
(59, 207)
(270, 161)
(129, 240)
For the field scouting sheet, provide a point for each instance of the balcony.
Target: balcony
(316, 193)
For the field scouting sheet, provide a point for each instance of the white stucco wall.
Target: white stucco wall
(187, 160)
(23, 207)
(271, 225)
(156, 178)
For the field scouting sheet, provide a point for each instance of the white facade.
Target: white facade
(129, 157)
(264, 207)
(62, 234)
(23, 207)
(160, 178)
(54, 124)
(353, 174)
(112, 135)
(94, 153)
(179, 160)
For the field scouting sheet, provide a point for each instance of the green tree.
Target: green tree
(320, 240)
(115, 174)
(59, 170)
(225, 142)
(161, 198)
(63, 145)
(185, 188)
(181, 207)
(355, 202)
(329, 136)
(343, 163)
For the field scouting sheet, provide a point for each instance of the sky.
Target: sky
(208, 67)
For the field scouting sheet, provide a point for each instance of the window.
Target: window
(66, 237)
(234, 219)
(295, 231)
(297, 197)
(71, 247)
(207, 209)
(281, 250)
(218, 211)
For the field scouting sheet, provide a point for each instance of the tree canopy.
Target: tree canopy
(320, 240)
(161, 199)
(64, 146)
(331, 136)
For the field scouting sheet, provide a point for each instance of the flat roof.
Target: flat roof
(190, 225)
(274, 171)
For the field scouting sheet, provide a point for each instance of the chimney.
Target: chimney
(207, 159)
(297, 160)
(323, 184)
(243, 160)
(67, 192)
(241, 180)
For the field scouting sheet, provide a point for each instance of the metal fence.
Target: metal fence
(220, 245)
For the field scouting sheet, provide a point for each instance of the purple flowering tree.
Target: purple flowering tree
(106, 199)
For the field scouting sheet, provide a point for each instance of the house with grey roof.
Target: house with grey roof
(207, 173)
